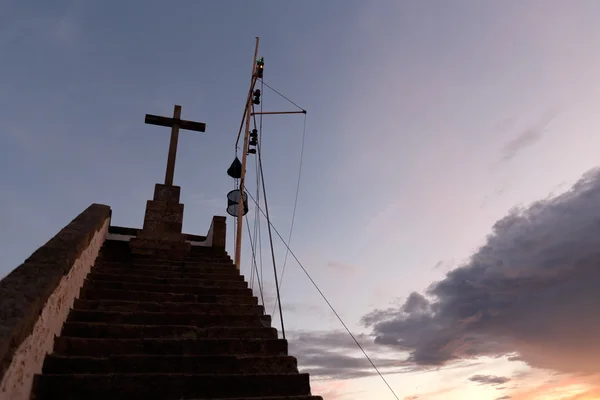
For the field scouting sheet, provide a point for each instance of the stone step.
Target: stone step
(97, 275)
(115, 246)
(92, 293)
(127, 331)
(180, 264)
(186, 261)
(168, 386)
(72, 346)
(161, 288)
(170, 318)
(200, 269)
(54, 364)
(114, 256)
(207, 249)
(120, 246)
(192, 255)
(172, 307)
(171, 273)
(208, 256)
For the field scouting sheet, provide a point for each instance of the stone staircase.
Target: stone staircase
(156, 329)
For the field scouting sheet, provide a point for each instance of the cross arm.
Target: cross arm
(183, 124)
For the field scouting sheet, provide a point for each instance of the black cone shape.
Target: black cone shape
(235, 170)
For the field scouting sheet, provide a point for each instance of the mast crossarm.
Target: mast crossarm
(278, 112)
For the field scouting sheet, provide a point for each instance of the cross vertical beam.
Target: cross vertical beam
(173, 147)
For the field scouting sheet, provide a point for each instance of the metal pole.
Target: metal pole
(238, 244)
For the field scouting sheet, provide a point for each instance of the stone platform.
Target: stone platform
(163, 221)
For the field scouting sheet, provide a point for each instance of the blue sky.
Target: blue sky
(427, 122)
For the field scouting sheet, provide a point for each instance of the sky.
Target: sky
(448, 200)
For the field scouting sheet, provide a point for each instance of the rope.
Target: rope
(259, 176)
(260, 287)
(257, 214)
(270, 239)
(256, 221)
(253, 244)
(325, 298)
(235, 186)
(287, 252)
(248, 99)
(270, 87)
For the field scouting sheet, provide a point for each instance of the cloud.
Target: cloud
(489, 379)
(526, 138)
(444, 265)
(333, 390)
(302, 308)
(560, 386)
(382, 219)
(435, 394)
(298, 308)
(531, 293)
(504, 398)
(506, 124)
(489, 198)
(343, 267)
(334, 355)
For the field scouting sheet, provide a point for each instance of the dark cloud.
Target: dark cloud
(531, 293)
(489, 379)
(444, 265)
(415, 303)
(504, 398)
(334, 355)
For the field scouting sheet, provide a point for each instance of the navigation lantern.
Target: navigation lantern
(260, 66)
(256, 99)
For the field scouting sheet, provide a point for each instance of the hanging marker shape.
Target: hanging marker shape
(235, 170)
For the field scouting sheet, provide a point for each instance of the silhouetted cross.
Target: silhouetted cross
(175, 123)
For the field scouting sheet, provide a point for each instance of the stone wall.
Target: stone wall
(36, 297)
(123, 233)
(217, 233)
(216, 236)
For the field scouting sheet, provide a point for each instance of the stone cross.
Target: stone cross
(175, 123)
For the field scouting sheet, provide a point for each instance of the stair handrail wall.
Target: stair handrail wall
(217, 233)
(35, 298)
